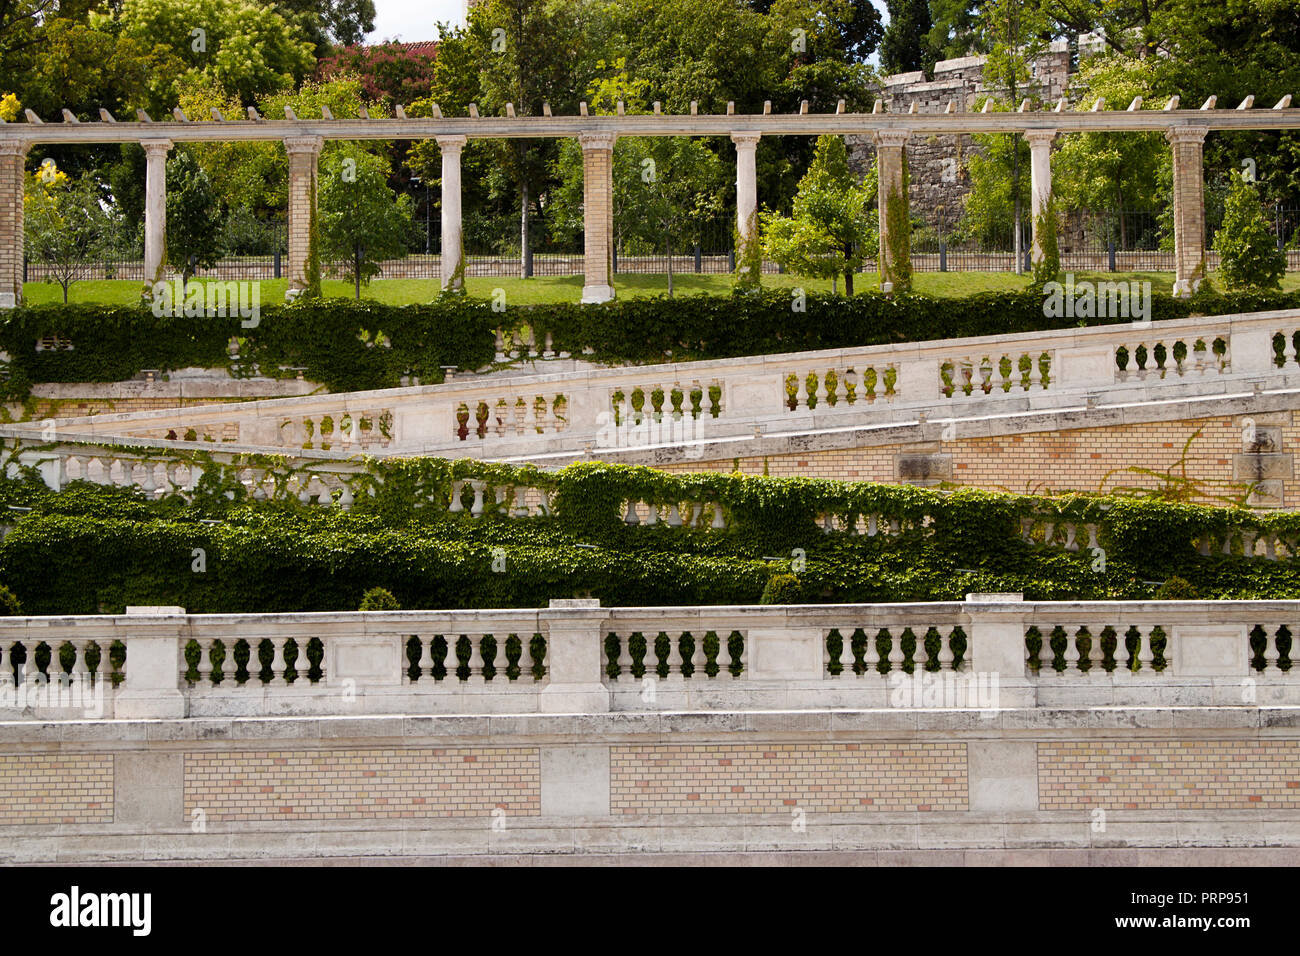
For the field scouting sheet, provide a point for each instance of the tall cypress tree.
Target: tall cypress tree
(902, 49)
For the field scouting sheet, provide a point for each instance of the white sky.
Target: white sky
(413, 20)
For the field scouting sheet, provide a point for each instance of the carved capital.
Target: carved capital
(590, 141)
(1040, 137)
(154, 148)
(451, 145)
(746, 140)
(14, 147)
(1181, 135)
(304, 144)
(890, 138)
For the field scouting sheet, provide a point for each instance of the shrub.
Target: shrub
(782, 589)
(379, 599)
(1248, 254)
(9, 605)
(1177, 589)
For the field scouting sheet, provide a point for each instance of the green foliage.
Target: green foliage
(361, 221)
(1248, 254)
(64, 224)
(194, 216)
(1048, 267)
(896, 267)
(830, 231)
(9, 604)
(379, 599)
(782, 589)
(1177, 589)
(89, 549)
(749, 263)
(903, 48)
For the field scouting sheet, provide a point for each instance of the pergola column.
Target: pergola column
(746, 191)
(13, 154)
(597, 214)
(452, 256)
(155, 209)
(1189, 207)
(1040, 183)
(304, 152)
(891, 201)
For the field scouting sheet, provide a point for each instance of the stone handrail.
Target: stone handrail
(690, 405)
(989, 652)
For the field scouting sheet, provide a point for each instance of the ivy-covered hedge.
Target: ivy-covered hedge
(348, 346)
(90, 549)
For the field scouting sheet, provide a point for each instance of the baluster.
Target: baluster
(80, 672)
(455, 506)
(896, 656)
(1035, 371)
(674, 519)
(1199, 367)
(425, 661)
(1271, 653)
(674, 655)
(1092, 537)
(631, 518)
(851, 393)
(945, 651)
(345, 497)
(719, 519)
(476, 660)
(501, 498)
(823, 396)
(1288, 349)
(477, 508)
(1145, 654)
(205, 662)
(1071, 651)
(871, 657)
(521, 502)
(1070, 543)
(1096, 654)
(624, 655)
(801, 396)
(652, 516)
(278, 665)
(873, 525)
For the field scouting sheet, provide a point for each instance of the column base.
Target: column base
(592, 294)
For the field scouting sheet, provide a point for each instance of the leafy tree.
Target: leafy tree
(344, 21)
(831, 229)
(1248, 254)
(361, 220)
(903, 46)
(390, 73)
(194, 216)
(247, 49)
(955, 31)
(992, 207)
(65, 224)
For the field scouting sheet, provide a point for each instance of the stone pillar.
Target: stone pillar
(598, 214)
(1189, 208)
(155, 209)
(746, 192)
(304, 151)
(452, 258)
(895, 227)
(13, 154)
(574, 631)
(1040, 183)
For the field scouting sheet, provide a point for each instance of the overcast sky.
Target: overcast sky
(412, 20)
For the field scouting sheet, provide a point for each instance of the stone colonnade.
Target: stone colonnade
(597, 151)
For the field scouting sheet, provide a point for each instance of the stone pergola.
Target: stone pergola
(303, 139)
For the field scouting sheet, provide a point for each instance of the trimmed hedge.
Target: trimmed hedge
(335, 340)
(90, 549)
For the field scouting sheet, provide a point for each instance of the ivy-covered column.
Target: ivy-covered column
(597, 214)
(891, 198)
(155, 210)
(304, 267)
(748, 260)
(13, 154)
(1189, 207)
(452, 256)
(1040, 185)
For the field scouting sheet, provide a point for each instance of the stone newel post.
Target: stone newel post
(452, 257)
(12, 156)
(746, 191)
(1189, 208)
(304, 152)
(598, 214)
(155, 210)
(574, 633)
(1040, 188)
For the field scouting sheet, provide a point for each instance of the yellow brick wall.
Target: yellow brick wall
(356, 784)
(56, 788)
(775, 778)
(1083, 459)
(1163, 775)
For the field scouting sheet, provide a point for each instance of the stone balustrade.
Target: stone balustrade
(987, 653)
(703, 406)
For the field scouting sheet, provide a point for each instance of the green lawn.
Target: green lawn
(569, 288)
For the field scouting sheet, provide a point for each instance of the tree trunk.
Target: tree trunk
(668, 245)
(525, 265)
(356, 272)
(848, 273)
